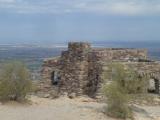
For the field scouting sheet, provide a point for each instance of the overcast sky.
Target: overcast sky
(52, 21)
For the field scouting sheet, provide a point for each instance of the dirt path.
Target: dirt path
(147, 112)
(60, 109)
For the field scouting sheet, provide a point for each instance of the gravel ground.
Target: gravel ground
(67, 109)
(58, 109)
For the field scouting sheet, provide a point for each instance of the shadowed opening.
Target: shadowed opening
(154, 86)
(54, 78)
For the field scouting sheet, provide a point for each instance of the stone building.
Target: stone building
(78, 70)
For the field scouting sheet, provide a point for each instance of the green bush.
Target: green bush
(15, 82)
(126, 77)
(135, 84)
(115, 92)
(121, 85)
(117, 101)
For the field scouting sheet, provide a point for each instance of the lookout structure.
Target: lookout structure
(78, 70)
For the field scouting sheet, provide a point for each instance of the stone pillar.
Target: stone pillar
(74, 68)
(94, 74)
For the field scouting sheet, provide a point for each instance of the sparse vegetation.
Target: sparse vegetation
(117, 101)
(126, 77)
(117, 98)
(121, 84)
(15, 82)
(134, 83)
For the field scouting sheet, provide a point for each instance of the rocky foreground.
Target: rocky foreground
(68, 109)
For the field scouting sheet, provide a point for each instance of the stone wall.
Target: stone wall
(151, 69)
(80, 67)
(121, 54)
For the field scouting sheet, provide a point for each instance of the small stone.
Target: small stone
(72, 95)
(65, 94)
(46, 95)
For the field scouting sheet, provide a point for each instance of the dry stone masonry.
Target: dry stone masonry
(78, 70)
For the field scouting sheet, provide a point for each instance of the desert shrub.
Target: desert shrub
(121, 86)
(135, 84)
(15, 82)
(115, 92)
(126, 77)
(117, 101)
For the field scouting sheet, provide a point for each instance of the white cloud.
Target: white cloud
(7, 1)
(122, 7)
(126, 8)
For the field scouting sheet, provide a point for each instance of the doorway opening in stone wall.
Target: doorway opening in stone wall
(154, 86)
(54, 78)
(157, 86)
